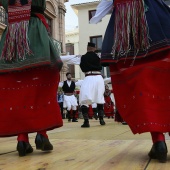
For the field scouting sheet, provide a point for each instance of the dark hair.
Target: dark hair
(23, 2)
(67, 74)
(90, 44)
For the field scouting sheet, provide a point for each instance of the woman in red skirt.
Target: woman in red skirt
(108, 105)
(138, 55)
(29, 76)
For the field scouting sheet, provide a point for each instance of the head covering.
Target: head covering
(67, 74)
(90, 44)
(23, 2)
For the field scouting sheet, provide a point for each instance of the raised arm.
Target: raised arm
(104, 8)
(71, 59)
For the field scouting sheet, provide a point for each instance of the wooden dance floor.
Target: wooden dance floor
(110, 147)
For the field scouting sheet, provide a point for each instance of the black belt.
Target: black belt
(68, 94)
(92, 73)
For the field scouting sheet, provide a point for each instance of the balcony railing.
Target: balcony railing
(58, 46)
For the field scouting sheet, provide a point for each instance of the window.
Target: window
(71, 69)
(91, 14)
(98, 41)
(70, 48)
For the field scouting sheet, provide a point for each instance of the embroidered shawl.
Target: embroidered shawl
(16, 44)
(130, 26)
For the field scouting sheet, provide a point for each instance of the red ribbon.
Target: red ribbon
(42, 18)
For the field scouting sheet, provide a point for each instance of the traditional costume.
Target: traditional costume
(92, 88)
(70, 101)
(136, 47)
(109, 103)
(29, 75)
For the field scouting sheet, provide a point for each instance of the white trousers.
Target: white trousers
(92, 90)
(70, 102)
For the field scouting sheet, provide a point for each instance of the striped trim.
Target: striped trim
(19, 12)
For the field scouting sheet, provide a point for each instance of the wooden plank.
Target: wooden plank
(155, 165)
(112, 130)
(96, 148)
(82, 155)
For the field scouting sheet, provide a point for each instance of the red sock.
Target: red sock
(23, 137)
(44, 133)
(157, 136)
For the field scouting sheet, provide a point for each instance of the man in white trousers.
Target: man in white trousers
(70, 101)
(92, 88)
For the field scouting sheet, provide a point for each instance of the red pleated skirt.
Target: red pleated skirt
(28, 101)
(108, 107)
(142, 92)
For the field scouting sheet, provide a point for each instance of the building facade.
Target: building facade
(55, 16)
(72, 48)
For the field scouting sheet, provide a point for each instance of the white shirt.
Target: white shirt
(69, 83)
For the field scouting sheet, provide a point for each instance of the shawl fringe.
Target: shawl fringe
(16, 43)
(130, 28)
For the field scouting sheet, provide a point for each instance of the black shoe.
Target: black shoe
(85, 124)
(95, 116)
(74, 120)
(43, 143)
(69, 120)
(23, 148)
(102, 122)
(124, 123)
(159, 151)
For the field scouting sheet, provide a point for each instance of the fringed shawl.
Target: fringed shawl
(16, 44)
(130, 27)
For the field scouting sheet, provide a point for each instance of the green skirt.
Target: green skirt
(44, 52)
